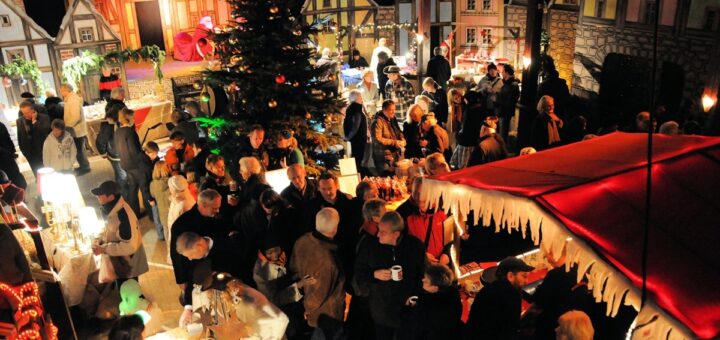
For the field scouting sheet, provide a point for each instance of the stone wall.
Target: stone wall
(594, 42)
(563, 25)
(140, 88)
(386, 16)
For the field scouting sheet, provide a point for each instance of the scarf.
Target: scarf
(553, 134)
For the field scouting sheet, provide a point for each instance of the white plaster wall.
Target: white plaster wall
(15, 31)
(42, 56)
(85, 23)
(82, 9)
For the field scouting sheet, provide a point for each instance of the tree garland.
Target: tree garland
(75, 68)
(20, 67)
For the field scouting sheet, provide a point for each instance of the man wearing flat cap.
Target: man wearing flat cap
(495, 314)
(122, 240)
(399, 90)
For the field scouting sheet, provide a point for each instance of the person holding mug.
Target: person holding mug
(390, 268)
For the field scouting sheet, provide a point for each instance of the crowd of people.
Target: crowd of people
(311, 246)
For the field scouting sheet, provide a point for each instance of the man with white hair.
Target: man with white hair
(301, 190)
(75, 121)
(315, 259)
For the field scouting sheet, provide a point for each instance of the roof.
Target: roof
(596, 190)
(91, 8)
(33, 25)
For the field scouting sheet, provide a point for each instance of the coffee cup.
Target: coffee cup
(233, 186)
(396, 272)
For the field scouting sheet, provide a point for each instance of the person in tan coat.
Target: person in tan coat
(315, 260)
(75, 122)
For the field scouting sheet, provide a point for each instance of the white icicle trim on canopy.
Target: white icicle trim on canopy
(514, 212)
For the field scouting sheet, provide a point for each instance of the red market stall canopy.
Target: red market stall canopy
(590, 197)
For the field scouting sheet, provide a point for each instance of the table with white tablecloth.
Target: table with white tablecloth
(72, 267)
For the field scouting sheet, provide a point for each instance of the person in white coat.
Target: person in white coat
(75, 121)
(374, 59)
(59, 151)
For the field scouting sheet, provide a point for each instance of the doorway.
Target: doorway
(151, 32)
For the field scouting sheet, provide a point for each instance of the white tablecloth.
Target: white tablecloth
(72, 268)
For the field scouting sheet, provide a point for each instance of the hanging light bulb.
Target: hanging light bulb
(419, 37)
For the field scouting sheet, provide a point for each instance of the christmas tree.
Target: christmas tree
(266, 65)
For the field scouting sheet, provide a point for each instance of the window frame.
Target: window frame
(5, 21)
(82, 32)
(474, 5)
(468, 35)
(487, 37)
(489, 7)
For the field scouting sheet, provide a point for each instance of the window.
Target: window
(471, 36)
(487, 5)
(5, 21)
(712, 19)
(600, 9)
(470, 5)
(486, 36)
(86, 34)
(15, 54)
(327, 3)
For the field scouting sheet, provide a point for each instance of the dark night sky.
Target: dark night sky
(47, 13)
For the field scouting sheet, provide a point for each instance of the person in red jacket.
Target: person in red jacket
(427, 226)
(180, 154)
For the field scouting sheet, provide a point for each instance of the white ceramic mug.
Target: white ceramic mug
(395, 272)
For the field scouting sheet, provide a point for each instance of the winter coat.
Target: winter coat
(539, 134)
(189, 129)
(411, 131)
(113, 107)
(317, 256)
(173, 162)
(387, 298)
(556, 88)
(127, 144)
(436, 316)
(370, 96)
(59, 153)
(385, 136)
(403, 94)
(74, 116)
(495, 313)
(31, 136)
(355, 125)
(490, 87)
(123, 239)
(161, 193)
(417, 225)
(300, 200)
(438, 141)
(14, 268)
(439, 104)
(54, 107)
(105, 142)
(7, 158)
(438, 68)
(473, 118)
(508, 98)
(492, 148)
(382, 77)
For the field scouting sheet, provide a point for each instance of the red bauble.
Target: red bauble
(280, 79)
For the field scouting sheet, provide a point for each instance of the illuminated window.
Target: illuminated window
(487, 5)
(600, 9)
(486, 36)
(86, 34)
(470, 5)
(471, 36)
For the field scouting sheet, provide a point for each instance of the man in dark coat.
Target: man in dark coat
(555, 87)
(104, 140)
(53, 105)
(8, 157)
(330, 196)
(438, 68)
(32, 130)
(356, 129)
(252, 146)
(204, 220)
(495, 313)
(437, 313)
(301, 190)
(491, 148)
(508, 98)
(389, 293)
(205, 255)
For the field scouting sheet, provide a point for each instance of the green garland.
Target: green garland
(20, 67)
(75, 68)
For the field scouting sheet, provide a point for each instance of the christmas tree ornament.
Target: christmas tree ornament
(297, 32)
(197, 85)
(272, 103)
(234, 59)
(232, 41)
(274, 10)
(205, 97)
(308, 115)
(295, 84)
(280, 79)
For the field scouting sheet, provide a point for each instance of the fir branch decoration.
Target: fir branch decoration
(20, 67)
(75, 68)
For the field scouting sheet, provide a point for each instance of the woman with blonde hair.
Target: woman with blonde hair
(160, 191)
(181, 200)
(455, 116)
(574, 325)
(370, 92)
(411, 130)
